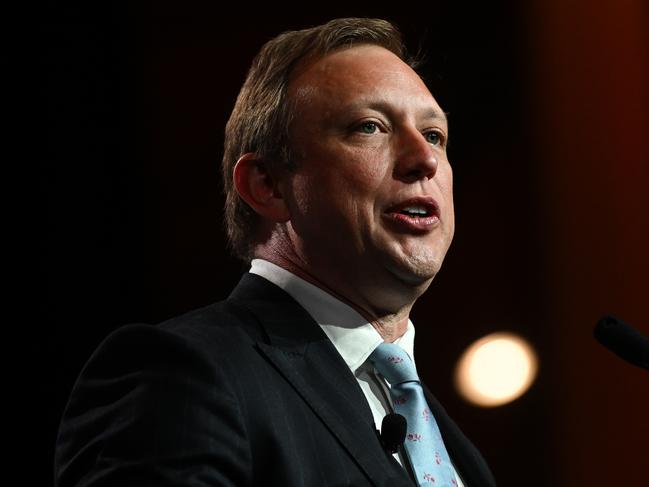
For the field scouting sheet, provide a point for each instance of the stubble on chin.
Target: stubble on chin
(417, 269)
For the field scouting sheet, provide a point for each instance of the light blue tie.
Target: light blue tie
(423, 444)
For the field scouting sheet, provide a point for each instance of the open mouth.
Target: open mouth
(415, 211)
(420, 207)
(417, 214)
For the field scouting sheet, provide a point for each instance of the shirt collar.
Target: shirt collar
(351, 334)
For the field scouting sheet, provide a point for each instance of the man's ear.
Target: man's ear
(257, 187)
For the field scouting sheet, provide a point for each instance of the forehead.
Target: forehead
(359, 77)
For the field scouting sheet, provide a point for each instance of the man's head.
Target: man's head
(262, 116)
(350, 183)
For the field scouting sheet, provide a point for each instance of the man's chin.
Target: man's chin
(416, 273)
(414, 261)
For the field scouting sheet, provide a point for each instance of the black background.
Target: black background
(136, 98)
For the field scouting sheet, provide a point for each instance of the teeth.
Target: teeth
(415, 210)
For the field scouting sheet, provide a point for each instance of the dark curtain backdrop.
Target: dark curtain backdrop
(549, 122)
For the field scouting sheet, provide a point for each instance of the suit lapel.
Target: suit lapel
(303, 354)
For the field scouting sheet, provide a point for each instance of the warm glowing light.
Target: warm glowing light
(496, 370)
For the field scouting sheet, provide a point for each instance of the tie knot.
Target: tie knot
(394, 364)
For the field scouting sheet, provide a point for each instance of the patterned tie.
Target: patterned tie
(424, 445)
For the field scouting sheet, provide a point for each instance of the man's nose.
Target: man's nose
(415, 157)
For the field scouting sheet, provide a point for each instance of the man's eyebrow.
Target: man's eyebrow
(435, 114)
(431, 113)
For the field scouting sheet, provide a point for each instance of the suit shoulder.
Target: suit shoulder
(221, 324)
(148, 393)
(206, 335)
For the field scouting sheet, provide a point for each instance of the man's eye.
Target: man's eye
(433, 137)
(368, 127)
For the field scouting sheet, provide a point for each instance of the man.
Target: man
(339, 190)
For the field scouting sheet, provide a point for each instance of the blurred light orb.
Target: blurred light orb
(496, 369)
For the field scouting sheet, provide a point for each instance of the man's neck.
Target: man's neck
(390, 325)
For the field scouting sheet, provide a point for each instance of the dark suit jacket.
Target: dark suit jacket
(245, 392)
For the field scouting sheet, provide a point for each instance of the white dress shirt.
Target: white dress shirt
(351, 334)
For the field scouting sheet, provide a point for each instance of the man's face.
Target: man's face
(371, 198)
